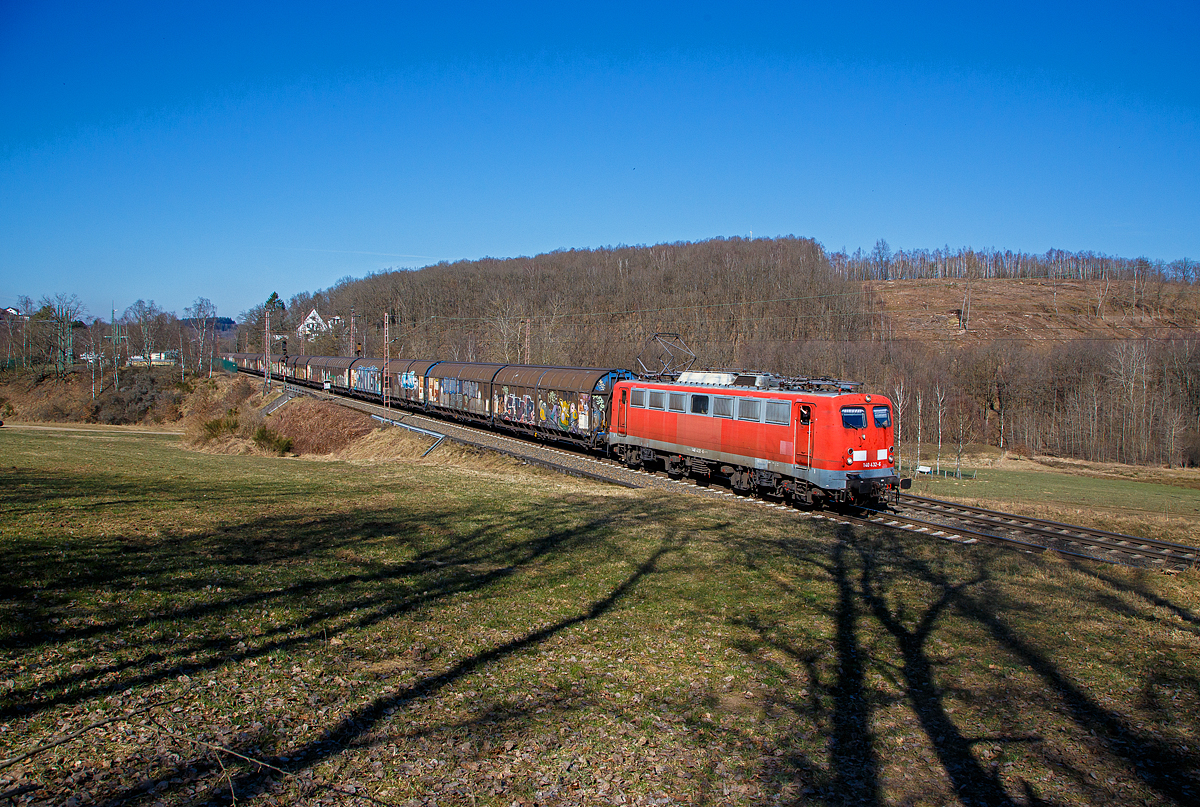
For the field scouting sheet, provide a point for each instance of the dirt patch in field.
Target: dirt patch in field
(319, 427)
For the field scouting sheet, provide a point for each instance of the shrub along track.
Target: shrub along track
(937, 518)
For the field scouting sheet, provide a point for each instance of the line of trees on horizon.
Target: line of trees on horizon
(881, 263)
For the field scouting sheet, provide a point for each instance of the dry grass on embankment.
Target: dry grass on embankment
(226, 417)
(319, 427)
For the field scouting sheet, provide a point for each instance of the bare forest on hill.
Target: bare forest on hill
(786, 305)
(740, 302)
(1126, 392)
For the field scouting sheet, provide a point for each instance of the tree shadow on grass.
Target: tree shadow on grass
(351, 730)
(911, 635)
(861, 606)
(187, 638)
(1139, 590)
(1171, 772)
(851, 773)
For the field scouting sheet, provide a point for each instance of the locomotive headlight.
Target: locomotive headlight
(850, 456)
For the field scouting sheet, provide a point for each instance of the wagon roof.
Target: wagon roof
(399, 365)
(421, 367)
(520, 375)
(574, 379)
(332, 362)
(361, 363)
(467, 372)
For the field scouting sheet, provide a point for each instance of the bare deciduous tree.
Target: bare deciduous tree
(60, 313)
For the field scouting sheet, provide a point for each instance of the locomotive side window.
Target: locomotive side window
(854, 417)
(656, 399)
(805, 415)
(749, 409)
(723, 407)
(638, 398)
(677, 399)
(779, 412)
(883, 417)
(699, 404)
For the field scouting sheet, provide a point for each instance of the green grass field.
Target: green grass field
(468, 631)
(1142, 503)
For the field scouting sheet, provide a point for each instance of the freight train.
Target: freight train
(810, 441)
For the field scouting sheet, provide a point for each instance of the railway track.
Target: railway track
(944, 520)
(1067, 539)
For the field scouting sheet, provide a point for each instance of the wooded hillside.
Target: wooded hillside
(1069, 353)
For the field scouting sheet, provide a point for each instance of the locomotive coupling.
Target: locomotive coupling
(877, 489)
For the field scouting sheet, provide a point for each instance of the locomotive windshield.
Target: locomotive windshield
(854, 417)
(883, 417)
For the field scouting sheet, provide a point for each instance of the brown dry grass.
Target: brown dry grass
(145, 396)
(22, 398)
(235, 399)
(1040, 311)
(319, 427)
(397, 448)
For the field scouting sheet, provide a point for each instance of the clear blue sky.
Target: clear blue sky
(172, 150)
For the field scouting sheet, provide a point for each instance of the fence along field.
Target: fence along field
(488, 634)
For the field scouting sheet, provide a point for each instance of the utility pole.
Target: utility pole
(387, 357)
(116, 338)
(267, 350)
(69, 358)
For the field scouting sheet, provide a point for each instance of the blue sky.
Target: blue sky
(168, 151)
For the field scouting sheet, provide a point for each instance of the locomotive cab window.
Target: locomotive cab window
(723, 407)
(656, 399)
(638, 398)
(883, 417)
(779, 412)
(805, 415)
(677, 398)
(854, 417)
(699, 404)
(749, 409)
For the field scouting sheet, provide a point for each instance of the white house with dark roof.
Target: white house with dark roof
(311, 326)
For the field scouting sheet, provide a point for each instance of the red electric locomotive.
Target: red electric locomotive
(814, 441)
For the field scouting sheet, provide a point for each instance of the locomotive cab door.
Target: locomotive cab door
(802, 420)
(621, 409)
